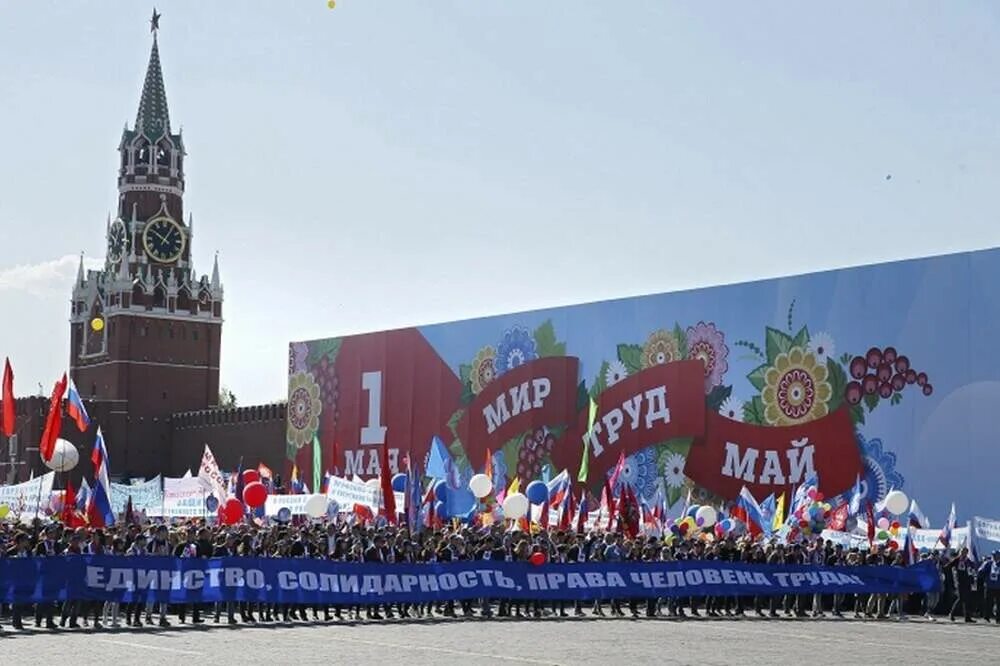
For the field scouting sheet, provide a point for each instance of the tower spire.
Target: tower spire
(153, 118)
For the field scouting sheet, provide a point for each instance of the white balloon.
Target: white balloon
(64, 457)
(480, 485)
(708, 516)
(896, 502)
(515, 506)
(315, 506)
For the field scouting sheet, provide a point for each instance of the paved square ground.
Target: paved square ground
(545, 641)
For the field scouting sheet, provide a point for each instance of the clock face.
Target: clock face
(117, 241)
(164, 240)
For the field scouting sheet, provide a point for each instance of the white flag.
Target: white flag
(209, 471)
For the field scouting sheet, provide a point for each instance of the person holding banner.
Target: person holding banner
(963, 570)
(989, 573)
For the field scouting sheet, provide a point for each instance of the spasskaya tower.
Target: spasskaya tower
(145, 329)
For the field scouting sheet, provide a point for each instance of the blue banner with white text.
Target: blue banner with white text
(309, 581)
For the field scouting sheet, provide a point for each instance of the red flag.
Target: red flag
(630, 513)
(838, 518)
(488, 469)
(363, 513)
(569, 508)
(870, 517)
(9, 416)
(69, 503)
(608, 500)
(53, 423)
(543, 518)
(388, 497)
(619, 467)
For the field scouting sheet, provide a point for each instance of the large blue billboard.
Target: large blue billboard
(885, 371)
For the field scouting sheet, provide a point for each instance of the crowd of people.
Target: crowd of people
(964, 592)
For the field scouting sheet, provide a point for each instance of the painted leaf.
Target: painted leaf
(858, 415)
(801, 338)
(717, 397)
(871, 401)
(545, 339)
(673, 494)
(776, 342)
(465, 373)
(838, 382)
(600, 383)
(582, 397)
(453, 422)
(753, 411)
(682, 342)
(320, 348)
(756, 376)
(631, 357)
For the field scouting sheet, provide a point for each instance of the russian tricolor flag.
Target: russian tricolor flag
(75, 408)
(751, 510)
(99, 511)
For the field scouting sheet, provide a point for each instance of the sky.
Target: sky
(386, 164)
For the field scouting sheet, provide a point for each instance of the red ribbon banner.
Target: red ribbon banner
(772, 459)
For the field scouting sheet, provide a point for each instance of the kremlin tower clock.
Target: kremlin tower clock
(157, 353)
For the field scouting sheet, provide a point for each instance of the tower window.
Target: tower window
(194, 334)
(93, 390)
(162, 155)
(171, 332)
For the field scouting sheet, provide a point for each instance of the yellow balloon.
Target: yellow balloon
(331, 3)
(4, 510)
(97, 324)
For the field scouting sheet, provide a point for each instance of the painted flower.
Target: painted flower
(673, 470)
(297, 353)
(304, 407)
(822, 347)
(615, 373)
(640, 473)
(707, 344)
(732, 408)
(796, 389)
(880, 475)
(483, 368)
(660, 348)
(517, 347)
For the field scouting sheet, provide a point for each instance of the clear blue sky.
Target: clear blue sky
(387, 163)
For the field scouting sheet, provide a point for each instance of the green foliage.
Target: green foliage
(776, 342)
(717, 396)
(631, 357)
(601, 382)
(753, 411)
(838, 382)
(545, 340)
(320, 348)
(682, 343)
(756, 376)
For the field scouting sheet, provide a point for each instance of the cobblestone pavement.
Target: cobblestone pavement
(546, 641)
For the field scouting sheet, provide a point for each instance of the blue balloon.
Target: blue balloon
(460, 501)
(441, 491)
(440, 509)
(211, 503)
(537, 492)
(692, 510)
(719, 516)
(399, 482)
(284, 514)
(332, 509)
